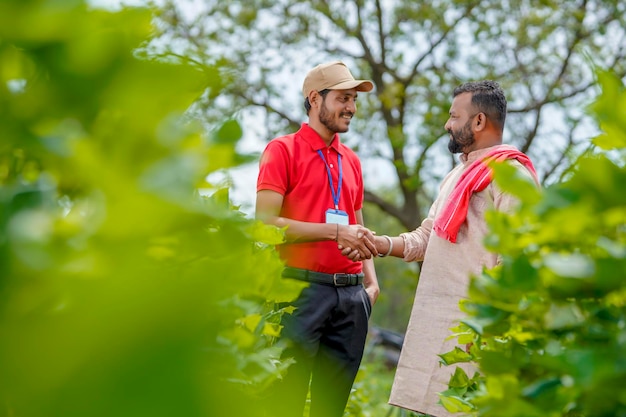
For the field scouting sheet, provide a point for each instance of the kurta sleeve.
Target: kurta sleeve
(416, 241)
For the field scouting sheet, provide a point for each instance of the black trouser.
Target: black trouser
(327, 331)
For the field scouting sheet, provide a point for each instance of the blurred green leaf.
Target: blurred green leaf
(124, 292)
(229, 132)
(454, 356)
(570, 266)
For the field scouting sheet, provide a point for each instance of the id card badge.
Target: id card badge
(337, 216)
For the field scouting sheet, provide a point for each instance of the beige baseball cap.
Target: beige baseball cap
(333, 76)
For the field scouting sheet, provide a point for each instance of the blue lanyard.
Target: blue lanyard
(337, 194)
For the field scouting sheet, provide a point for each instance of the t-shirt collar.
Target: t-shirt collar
(314, 139)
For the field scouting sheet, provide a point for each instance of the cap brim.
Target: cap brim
(360, 85)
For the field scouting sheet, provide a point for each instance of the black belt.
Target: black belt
(336, 280)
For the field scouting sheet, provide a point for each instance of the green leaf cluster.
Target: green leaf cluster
(123, 291)
(548, 325)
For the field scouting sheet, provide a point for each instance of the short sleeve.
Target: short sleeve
(274, 168)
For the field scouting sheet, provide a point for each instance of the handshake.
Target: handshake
(357, 242)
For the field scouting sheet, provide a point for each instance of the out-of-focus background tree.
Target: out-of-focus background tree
(416, 53)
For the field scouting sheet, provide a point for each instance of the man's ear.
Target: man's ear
(314, 96)
(480, 122)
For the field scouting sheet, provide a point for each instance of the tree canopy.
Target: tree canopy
(542, 53)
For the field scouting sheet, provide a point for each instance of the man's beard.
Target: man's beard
(326, 118)
(461, 138)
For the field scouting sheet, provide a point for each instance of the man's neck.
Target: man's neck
(326, 135)
(486, 141)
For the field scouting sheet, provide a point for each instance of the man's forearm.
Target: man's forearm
(390, 245)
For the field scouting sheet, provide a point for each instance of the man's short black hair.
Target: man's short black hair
(487, 97)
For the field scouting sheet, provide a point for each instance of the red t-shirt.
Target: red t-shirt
(291, 166)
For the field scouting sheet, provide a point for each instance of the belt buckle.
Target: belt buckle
(345, 280)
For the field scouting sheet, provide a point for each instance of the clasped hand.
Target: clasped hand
(356, 242)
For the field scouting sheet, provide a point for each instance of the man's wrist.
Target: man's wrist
(383, 253)
(373, 290)
(336, 231)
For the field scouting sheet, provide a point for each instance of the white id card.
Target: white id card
(337, 216)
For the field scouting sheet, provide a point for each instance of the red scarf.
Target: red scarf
(475, 178)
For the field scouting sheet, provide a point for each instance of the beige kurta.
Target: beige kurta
(443, 282)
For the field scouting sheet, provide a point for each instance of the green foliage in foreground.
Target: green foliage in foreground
(122, 292)
(549, 326)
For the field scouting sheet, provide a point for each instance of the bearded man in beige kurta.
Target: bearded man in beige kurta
(450, 243)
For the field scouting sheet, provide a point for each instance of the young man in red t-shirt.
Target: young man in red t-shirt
(312, 183)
